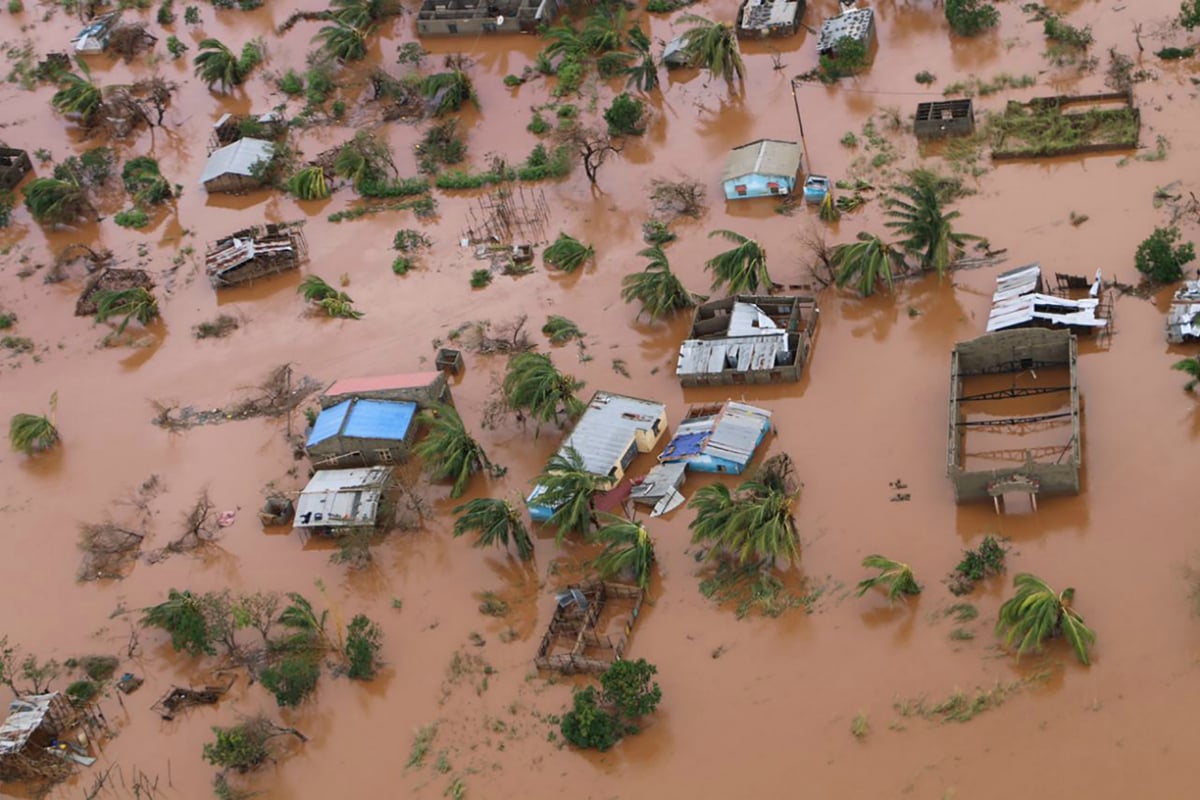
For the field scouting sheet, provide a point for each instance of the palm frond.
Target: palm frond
(568, 253)
(496, 523)
(448, 450)
(743, 268)
(894, 577)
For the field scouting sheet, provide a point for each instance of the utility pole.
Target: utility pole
(800, 122)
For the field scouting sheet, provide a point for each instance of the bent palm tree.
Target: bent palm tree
(568, 253)
(496, 523)
(533, 383)
(182, 616)
(361, 13)
(627, 547)
(644, 74)
(602, 29)
(129, 304)
(743, 268)
(918, 216)
(864, 263)
(1036, 613)
(33, 433)
(217, 64)
(143, 180)
(713, 46)
(656, 287)
(569, 489)
(309, 184)
(448, 450)
(756, 521)
(57, 201)
(895, 578)
(343, 41)
(448, 91)
(1191, 368)
(315, 289)
(78, 95)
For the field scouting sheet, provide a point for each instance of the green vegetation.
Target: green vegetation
(441, 146)
(625, 116)
(569, 489)
(365, 161)
(408, 240)
(962, 612)
(1066, 34)
(402, 265)
(538, 125)
(743, 268)
(532, 383)
(32, 433)
(496, 523)
(978, 564)
(364, 639)
(56, 201)
(191, 15)
(1175, 53)
(1044, 130)
(132, 218)
(481, 278)
(137, 304)
(561, 330)
(849, 139)
(292, 680)
(448, 450)
(334, 303)
(627, 549)
(291, 83)
(1189, 14)
(917, 215)
(895, 578)
(598, 720)
(422, 739)
(850, 56)
(659, 290)
(78, 94)
(1160, 259)
(451, 89)
(1191, 368)
(218, 328)
(642, 75)
(960, 706)
(567, 253)
(244, 746)
(145, 183)
(540, 165)
(713, 46)
(166, 13)
(216, 64)
(865, 263)
(860, 726)
(925, 78)
(309, 184)
(973, 86)
(1037, 613)
(182, 617)
(82, 692)
(752, 522)
(971, 17)
(342, 41)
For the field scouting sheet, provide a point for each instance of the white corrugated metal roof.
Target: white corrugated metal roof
(753, 342)
(236, 158)
(341, 497)
(25, 715)
(606, 429)
(737, 432)
(855, 23)
(1019, 301)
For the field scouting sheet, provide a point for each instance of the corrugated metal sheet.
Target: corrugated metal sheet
(410, 380)
(380, 419)
(764, 14)
(236, 158)
(606, 429)
(341, 498)
(329, 422)
(763, 157)
(732, 435)
(659, 481)
(856, 23)
(1018, 300)
(707, 356)
(25, 715)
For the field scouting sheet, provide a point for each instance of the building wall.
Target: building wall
(375, 452)
(646, 439)
(232, 184)
(424, 396)
(756, 186)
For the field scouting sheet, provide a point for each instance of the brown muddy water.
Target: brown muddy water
(771, 716)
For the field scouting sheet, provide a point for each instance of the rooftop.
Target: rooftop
(237, 158)
(855, 23)
(760, 15)
(603, 433)
(25, 715)
(732, 435)
(1183, 317)
(341, 497)
(364, 419)
(1019, 300)
(763, 157)
(412, 380)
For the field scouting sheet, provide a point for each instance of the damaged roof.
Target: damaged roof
(1018, 301)
(604, 432)
(341, 497)
(25, 715)
(732, 435)
(763, 157)
(238, 158)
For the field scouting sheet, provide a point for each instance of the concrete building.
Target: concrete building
(854, 23)
(943, 118)
(718, 438)
(234, 168)
(476, 17)
(748, 339)
(340, 499)
(423, 388)
(758, 19)
(764, 168)
(362, 432)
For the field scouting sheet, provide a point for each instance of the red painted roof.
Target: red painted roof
(410, 380)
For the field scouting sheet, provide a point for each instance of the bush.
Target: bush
(402, 265)
(363, 641)
(166, 12)
(849, 57)
(290, 83)
(480, 278)
(1058, 31)
(1175, 53)
(512, 81)
(971, 17)
(191, 15)
(400, 187)
(587, 725)
(624, 116)
(407, 240)
(81, 692)
(538, 125)
(7, 201)
(570, 75)
(132, 218)
(630, 691)
(925, 77)
(175, 47)
(1160, 259)
(15, 6)
(292, 680)
(1189, 14)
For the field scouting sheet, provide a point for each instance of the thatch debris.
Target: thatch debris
(179, 699)
(481, 337)
(112, 279)
(276, 396)
(130, 38)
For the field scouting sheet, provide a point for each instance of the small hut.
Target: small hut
(34, 723)
(758, 19)
(853, 23)
(763, 168)
(233, 127)
(110, 280)
(342, 499)
(943, 118)
(255, 253)
(14, 165)
(234, 168)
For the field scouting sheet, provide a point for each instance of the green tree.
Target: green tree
(216, 65)
(1191, 368)
(971, 17)
(78, 94)
(1189, 14)
(448, 91)
(570, 490)
(713, 46)
(1160, 259)
(628, 688)
(362, 13)
(448, 450)
(1037, 613)
(314, 289)
(624, 116)
(496, 523)
(656, 287)
(756, 521)
(364, 160)
(917, 215)
(532, 383)
(306, 628)
(343, 41)
(644, 74)
(849, 56)
(743, 268)
(292, 680)
(603, 28)
(182, 616)
(589, 726)
(568, 253)
(245, 746)
(627, 548)
(136, 304)
(895, 578)
(309, 184)
(33, 433)
(864, 263)
(364, 639)
(57, 201)
(145, 182)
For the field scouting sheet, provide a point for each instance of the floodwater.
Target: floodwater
(771, 716)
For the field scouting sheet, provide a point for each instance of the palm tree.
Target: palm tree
(566, 42)
(33, 433)
(309, 184)
(644, 74)
(569, 489)
(78, 95)
(657, 288)
(496, 522)
(743, 268)
(315, 289)
(216, 64)
(308, 632)
(918, 216)
(363, 159)
(533, 383)
(57, 201)
(448, 450)
(182, 616)
(130, 304)
(568, 253)
(343, 41)
(1036, 613)
(864, 263)
(713, 46)
(755, 521)
(1191, 368)
(360, 13)
(627, 547)
(143, 180)
(895, 578)
(602, 29)
(448, 91)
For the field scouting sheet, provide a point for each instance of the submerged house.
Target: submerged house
(1183, 317)
(339, 499)
(475, 17)
(748, 339)
(233, 127)
(765, 168)
(27, 735)
(762, 18)
(612, 431)
(1021, 302)
(255, 253)
(942, 118)
(362, 432)
(853, 23)
(14, 166)
(718, 438)
(674, 55)
(237, 167)
(95, 35)
(423, 388)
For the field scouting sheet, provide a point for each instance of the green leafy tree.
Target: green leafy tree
(182, 616)
(448, 450)
(849, 57)
(628, 688)
(364, 639)
(448, 91)
(145, 182)
(496, 523)
(292, 680)
(245, 746)
(570, 490)
(656, 287)
(343, 41)
(533, 384)
(568, 253)
(743, 269)
(917, 215)
(971, 17)
(78, 94)
(896, 579)
(713, 46)
(34, 433)
(136, 304)
(1160, 259)
(753, 523)
(627, 548)
(216, 65)
(625, 116)
(1189, 14)
(642, 75)
(362, 13)
(57, 201)
(1191, 368)
(865, 263)
(589, 726)
(1037, 613)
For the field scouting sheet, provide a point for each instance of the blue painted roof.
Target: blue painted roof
(685, 444)
(364, 419)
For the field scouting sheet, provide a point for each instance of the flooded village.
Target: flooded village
(439, 399)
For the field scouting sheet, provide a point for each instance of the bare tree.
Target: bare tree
(593, 145)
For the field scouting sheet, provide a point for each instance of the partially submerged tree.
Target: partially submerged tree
(569, 489)
(568, 253)
(659, 290)
(917, 215)
(593, 145)
(78, 94)
(971, 17)
(532, 383)
(182, 616)
(137, 304)
(1190, 367)
(865, 263)
(364, 160)
(217, 65)
(447, 91)
(246, 746)
(291, 680)
(1159, 258)
(496, 523)
(896, 579)
(145, 182)
(1037, 613)
(644, 74)
(754, 522)
(627, 549)
(448, 450)
(364, 640)
(713, 46)
(309, 184)
(598, 720)
(743, 268)
(334, 303)
(343, 41)
(33, 433)
(58, 201)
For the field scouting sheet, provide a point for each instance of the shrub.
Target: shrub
(131, 218)
(1160, 259)
(971, 17)
(7, 318)
(166, 12)
(292, 680)
(630, 690)
(480, 278)
(7, 201)
(15, 6)
(925, 77)
(1189, 14)
(291, 83)
(407, 240)
(1064, 33)
(512, 81)
(191, 15)
(81, 692)
(402, 265)
(538, 125)
(363, 641)
(849, 57)
(568, 253)
(570, 75)
(1175, 53)
(175, 47)
(624, 116)
(31, 433)
(849, 139)
(587, 725)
